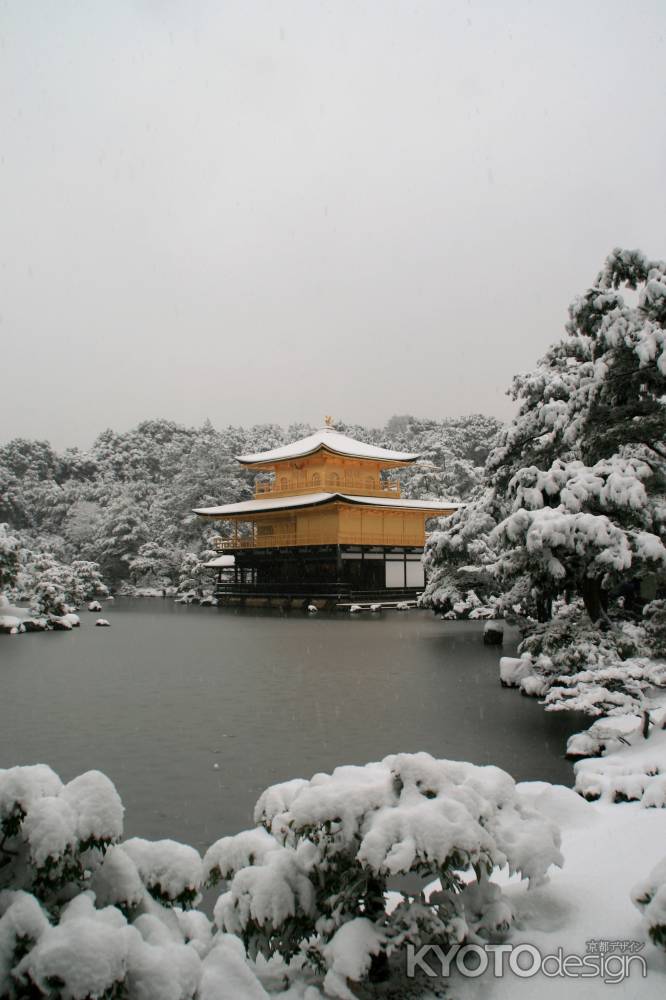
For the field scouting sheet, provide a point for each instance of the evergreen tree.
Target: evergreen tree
(575, 498)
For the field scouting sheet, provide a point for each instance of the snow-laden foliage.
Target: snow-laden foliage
(605, 733)
(617, 689)
(654, 623)
(84, 914)
(9, 557)
(579, 666)
(631, 774)
(458, 557)
(171, 872)
(42, 578)
(574, 500)
(575, 527)
(649, 896)
(48, 827)
(325, 851)
(571, 642)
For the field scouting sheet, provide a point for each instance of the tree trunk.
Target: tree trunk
(544, 607)
(594, 598)
(374, 910)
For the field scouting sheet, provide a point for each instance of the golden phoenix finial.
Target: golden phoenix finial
(328, 421)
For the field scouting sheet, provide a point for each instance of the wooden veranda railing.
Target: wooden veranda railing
(299, 485)
(294, 539)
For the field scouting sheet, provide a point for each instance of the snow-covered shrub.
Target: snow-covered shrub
(191, 574)
(604, 734)
(55, 588)
(513, 669)
(654, 618)
(51, 585)
(171, 872)
(571, 642)
(578, 665)
(53, 833)
(9, 558)
(616, 689)
(311, 879)
(632, 775)
(84, 916)
(650, 898)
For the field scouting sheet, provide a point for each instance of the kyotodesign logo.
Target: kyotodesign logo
(611, 961)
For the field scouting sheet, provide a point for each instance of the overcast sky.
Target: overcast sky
(274, 211)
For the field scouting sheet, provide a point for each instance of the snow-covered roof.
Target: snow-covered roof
(331, 440)
(315, 499)
(221, 561)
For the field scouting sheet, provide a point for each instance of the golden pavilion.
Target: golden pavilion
(325, 524)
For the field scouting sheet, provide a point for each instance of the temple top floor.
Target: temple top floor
(330, 443)
(326, 461)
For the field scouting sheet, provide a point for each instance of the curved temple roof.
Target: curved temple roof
(250, 507)
(332, 441)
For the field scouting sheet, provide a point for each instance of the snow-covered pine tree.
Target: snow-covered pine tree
(576, 482)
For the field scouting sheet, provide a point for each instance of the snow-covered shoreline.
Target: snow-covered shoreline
(608, 849)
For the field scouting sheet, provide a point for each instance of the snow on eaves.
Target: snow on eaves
(331, 440)
(315, 499)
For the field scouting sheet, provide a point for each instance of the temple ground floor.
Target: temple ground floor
(328, 573)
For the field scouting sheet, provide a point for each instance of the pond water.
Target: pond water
(168, 692)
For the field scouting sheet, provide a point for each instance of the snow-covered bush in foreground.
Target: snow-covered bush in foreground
(650, 898)
(311, 879)
(86, 917)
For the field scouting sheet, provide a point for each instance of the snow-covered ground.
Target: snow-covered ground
(608, 848)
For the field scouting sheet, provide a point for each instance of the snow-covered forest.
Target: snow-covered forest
(121, 513)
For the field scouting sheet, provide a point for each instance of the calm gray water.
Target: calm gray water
(169, 691)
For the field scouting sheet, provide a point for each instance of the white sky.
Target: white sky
(271, 211)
